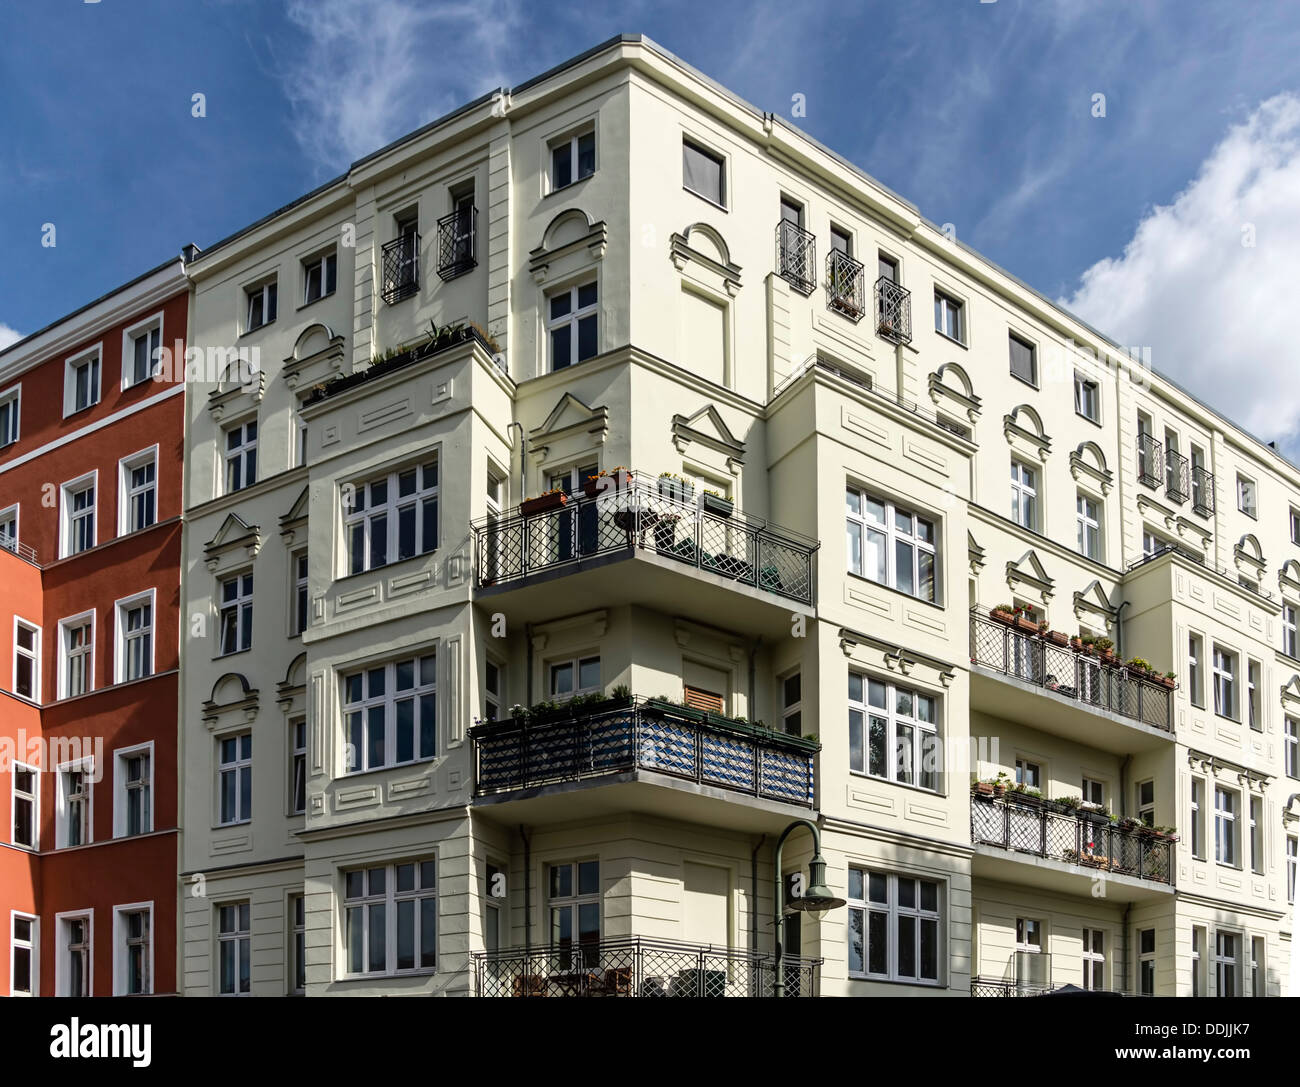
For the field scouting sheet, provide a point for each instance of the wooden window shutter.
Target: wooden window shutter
(699, 699)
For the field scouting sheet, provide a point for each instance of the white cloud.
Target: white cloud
(8, 336)
(369, 71)
(1217, 313)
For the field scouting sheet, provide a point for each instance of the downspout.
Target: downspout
(1119, 629)
(753, 652)
(528, 890)
(753, 894)
(523, 455)
(1124, 943)
(528, 672)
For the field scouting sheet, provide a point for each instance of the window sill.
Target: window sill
(255, 330)
(707, 199)
(951, 339)
(551, 190)
(1025, 381)
(895, 981)
(898, 784)
(352, 775)
(388, 975)
(889, 588)
(1095, 422)
(304, 305)
(380, 569)
(80, 411)
(232, 653)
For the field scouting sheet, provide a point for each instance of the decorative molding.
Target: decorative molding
(1094, 601)
(1288, 577)
(965, 399)
(233, 534)
(235, 398)
(318, 347)
(245, 703)
(595, 241)
(1028, 571)
(584, 419)
(688, 429)
(1249, 555)
(1014, 430)
(896, 657)
(1081, 468)
(295, 519)
(975, 553)
(682, 253)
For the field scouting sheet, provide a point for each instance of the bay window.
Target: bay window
(891, 545)
(392, 518)
(390, 918)
(895, 930)
(893, 733)
(389, 713)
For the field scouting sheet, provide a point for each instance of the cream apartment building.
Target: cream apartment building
(790, 446)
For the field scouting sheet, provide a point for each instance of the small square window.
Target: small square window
(261, 305)
(1024, 360)
(704, 173)
(319, 276)
(1087, 398)
(573, 158)
(1246, 496)
(141, 349)
(9, 414)
(949, 316)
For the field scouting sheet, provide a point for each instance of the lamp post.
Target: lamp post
(816, 899)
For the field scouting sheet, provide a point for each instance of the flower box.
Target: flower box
(1027, 625)
(1000, 616)
(543, 503)
(983, 788)
(679, 490)
(1057, 637)
(717, 505)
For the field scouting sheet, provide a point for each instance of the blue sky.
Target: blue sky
(980, 113)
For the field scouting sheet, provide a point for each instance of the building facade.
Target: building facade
(91, 447)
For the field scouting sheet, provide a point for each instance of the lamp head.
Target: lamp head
(818, 898)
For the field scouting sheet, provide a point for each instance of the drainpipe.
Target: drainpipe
(1119, 629)
(523, 455)
(1123, 786)
(1124, 948)
(753, 894)
(753, 652)
(528, 890)
(528, 692)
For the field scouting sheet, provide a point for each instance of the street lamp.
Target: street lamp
(815, 901)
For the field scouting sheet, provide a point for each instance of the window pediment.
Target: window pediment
(700, 244)
(1088, 463)
(232, 697)
(708, 429)
(239, 391)
(950, 384)
(295, 521)
(1024, 432)
(569, 419)
(570, 243)
(234, 542)
(1028, 572)
(317, 357)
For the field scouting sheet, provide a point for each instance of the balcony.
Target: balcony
(1116, 709)
(401, 267)
(1202, 492)
(1149, 460)
(893, 311)
(1067, 850)
(845, 286)
(1176, 477)
(796, 256)
(456, 234)
(24, 551)
(622, 741)
(636, 966)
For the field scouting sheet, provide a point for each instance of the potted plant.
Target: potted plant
(666, 531)
(1001, 783)
(1088, 643)
(1168, 680)
(1024, 623)
(611, 479)
(982, 788)
(1076, 643)
(1068, 803)
(714, 503)
(1022, 794)
(1057, 637)
(544, 503)
(1105, 648)
(675, 487)
(1139, 667)
(1003, 613)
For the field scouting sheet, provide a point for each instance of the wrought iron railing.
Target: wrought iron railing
(456, 234)
(1037, 828)
(639, 967)
(743, 549)
(1089, 680)
(1202, 491)
(846, 291)
(893, 311)
(401, 267)
(796, 256)
(1177, 485)
(591, 742)
(1149, 460)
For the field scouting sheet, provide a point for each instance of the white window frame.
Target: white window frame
(120, 634)
(122, 952)
(34, 798)
(1086, 523)
(1224, 665)
(1081, 382)
(237, 936)
(388, 900)
(892, 911)
(1199, 934)
(1227, 851)
(297, 943)
(1147, 961)
(239, 608)
(9, 515)
(494, 701)
(1224, 962)
(318, 262)
(1254, 704)
(34, 655)
(1290, 629)
(1024, 494)
(122, 788)
(91, 356)
(1292, 848)
(1090, 787)
(1014, 337)
(358, 734)
(62, 812)
(33, 948)
(1146, 810)
(239, 455)
(86, 652)
(1195, 668)
(12, 395)
(129, 337)
(1198, 812)
(126, 493)
(1255, 832)
(575, 664)
(67, 492)
(571, 139)
(300, 601)
(62, 971)
(1247, 496)
(857, 516)
(894, 719)
(705, 151)
(261, 290)
(362, 517)
(573, 320)
(946, 304)
(1291, 747)
(1094, 960)
(791, 710)
(297, 756)
(236, 766)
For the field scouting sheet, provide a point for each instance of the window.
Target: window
(1254, 711)
(1094, 959)
(234, 949)
(1225, 683)
(81, 382)
(75, 962)
(891, 545)
(1029, 774)
(27, 660)
(893, 733)
(573, 893)
(1289, 646)
(140, 359)
(392, 518)
(1291, 747)
(1246, 497)
(1292, 843)
(573, 158)
(1024, 495)
(704, 173)
(1198, 961)
(133, 806)
(319, 276)
(73, 827)
(25, 811)
(1087, 397)
(235, 779)
(1195, 650)
(571, 324)
(575, 677)
(1225, 826)
(699, 698)
(1256, 815)
(9, 528)
(1031, 966)
(135, 638)
(297, 945)
(235, 614)
(1295, 525)
(298, 766)
(1094, 792)
(241, 456)
(138, 491)
(1257, 972)
(132, 950)
(949, 317)
(9, 415)
(78, 521)
(261, 305)
(886, 267)
(841, 241)
(1088, 523)
(1024, 360)
(298, 621)
(1198, 818)
(24, 954)
(952, 426)
(1225, 964)
(389, 713)
(895, 930)
(792, 704)
(494, 688)
(1146, 802)
(1147, 962)
(390, 918)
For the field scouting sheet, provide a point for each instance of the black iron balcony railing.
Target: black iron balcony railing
(1149, 460)
(1177, 484)
(1202, 491)
(637, 966)
(846, 291)
(983, 986)
(401, 267)
(456, 233)
(1091, 681)
(612, 737)
(1040, 829)
(893, 311)
(711, 536)
(796, 256)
